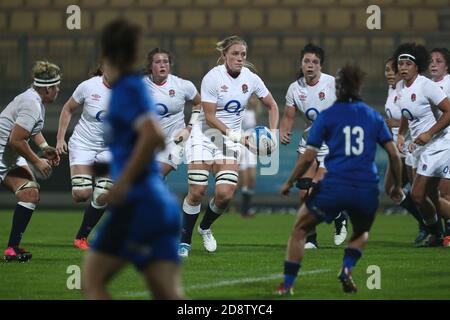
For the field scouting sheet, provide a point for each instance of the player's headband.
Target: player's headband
(406, 56)
(47, 83)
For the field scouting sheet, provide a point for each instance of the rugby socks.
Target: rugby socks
(409, 205)
(21, 218)
(351, 257)
(212, 213)
(290, 273)
(90, 220)
(190, 215)
(434, 225)
(247, 195)
(312, 237)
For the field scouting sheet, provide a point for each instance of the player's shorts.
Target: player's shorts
(211, 148)
(8, 163)
(83, 156)
(331, 197)
(247, 159)
(410, 160)
(172, 155)
(433, 159)
(142, 231)
(320, 156)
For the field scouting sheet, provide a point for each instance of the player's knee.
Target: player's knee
(226, 183)
(196, 194)
(198, 183)
(102, 186)
(418, 196)
(223, 197)
(81, 187)
(28, 193)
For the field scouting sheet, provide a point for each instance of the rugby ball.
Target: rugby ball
(261, 141)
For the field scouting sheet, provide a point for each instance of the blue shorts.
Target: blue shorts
(360, 201)
(141, 231)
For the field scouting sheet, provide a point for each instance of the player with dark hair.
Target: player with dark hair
(143, 222)
(87, 146)
(21, 120)
(426, 111)
(351, 129)
(312, 92)
(394, 115)
(171, 93)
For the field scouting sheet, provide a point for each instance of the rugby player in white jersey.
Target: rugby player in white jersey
(214, 144)
(426, 111)
(87, 148)
(171, 94)
(248, 161)
(312, 92)
(21, 120)
(440, 60)
(394, 115)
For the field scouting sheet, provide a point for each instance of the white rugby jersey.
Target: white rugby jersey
(392, 109)
(249, 119)
(170, 99)
(311, 100)
(445, 84)
(93, 95)
(418, 104)
(230, 94)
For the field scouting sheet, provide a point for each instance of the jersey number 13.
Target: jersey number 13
(358, 133)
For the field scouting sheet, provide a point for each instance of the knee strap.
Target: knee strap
(28, 185)
(199, 177)
(81, 182)
(102, 185)
(227, 177)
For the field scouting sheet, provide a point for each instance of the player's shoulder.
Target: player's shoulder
(92, 82)
(178, 81)
(327, 79)
(29, 96)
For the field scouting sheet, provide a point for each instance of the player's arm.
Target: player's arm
(286, 124)
(395, 163)
(442, 123)
(403, 128)
(64, 119)
(18, 140)
(184, 133)
(49, 152)
(274, 115)
(150, 138)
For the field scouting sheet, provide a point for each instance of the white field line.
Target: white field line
(225, 283)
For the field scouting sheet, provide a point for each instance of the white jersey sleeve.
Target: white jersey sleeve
(260, 89)
(209, 88)
(190, 90)
(79, 95)
(290, 96)
(28, 115)
(433, 92)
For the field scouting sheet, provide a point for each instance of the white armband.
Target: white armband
(43, 145)
(234, 136)
(194, 118)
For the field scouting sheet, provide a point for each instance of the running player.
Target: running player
(426, 111)
(171, 94)
(143, 225)
(86, 147)
(21, 120)
(248, 161)
(351, 129)
(312, 92)
(394, 115)
(214, 143)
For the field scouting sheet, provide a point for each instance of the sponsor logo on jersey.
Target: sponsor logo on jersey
(321, 95)
(244, 88)
(172, 93)
(96, 97)
(303, 97)
(224, 88)
(413, 97)
(424, 167)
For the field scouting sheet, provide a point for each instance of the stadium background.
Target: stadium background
(275, 30)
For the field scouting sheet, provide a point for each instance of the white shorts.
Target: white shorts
(433, 160)
(320, 157)
(7, 165)
(87, 157)
(410, 160)
(200, 147)
(173, 154)
(247, 159)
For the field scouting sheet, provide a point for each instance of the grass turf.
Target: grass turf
(247, 264)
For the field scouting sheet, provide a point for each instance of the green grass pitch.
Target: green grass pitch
(247, 264)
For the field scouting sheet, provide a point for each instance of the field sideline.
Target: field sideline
(247, 264)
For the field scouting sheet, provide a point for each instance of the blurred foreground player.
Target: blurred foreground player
(351, 130)
(21, 120)
(143, 222)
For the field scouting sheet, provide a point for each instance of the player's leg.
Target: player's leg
(421, 188)
(170, 158)
(226, 174)
(99, 268)
(442, 207)
(304, 224)
(444, 201)
(20, 181)
(164, 280)
(198, 173)
(247, 175)
(165, 169)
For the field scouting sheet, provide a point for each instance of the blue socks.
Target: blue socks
(351, 257)
(290, 273)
